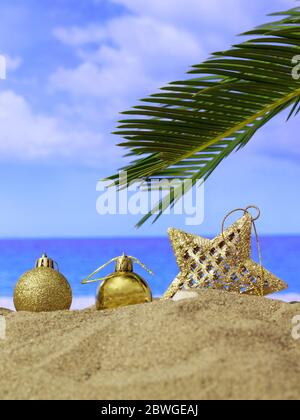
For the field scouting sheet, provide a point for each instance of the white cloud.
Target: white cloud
(13, 63)
(104, 82)
(225, 12)
(27, 135)
(76, 36)
(145, 54)
(149, 45)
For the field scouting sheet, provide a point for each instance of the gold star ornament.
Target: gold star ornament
(223, 263)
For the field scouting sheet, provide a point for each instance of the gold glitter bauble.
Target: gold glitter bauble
(223, 263)
(43, 289)
(122, 288)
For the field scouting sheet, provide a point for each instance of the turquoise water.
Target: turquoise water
(79, 257)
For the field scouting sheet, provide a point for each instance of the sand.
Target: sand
(216, 346)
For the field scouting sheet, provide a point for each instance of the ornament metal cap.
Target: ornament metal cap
(44, 261)
(124, 264)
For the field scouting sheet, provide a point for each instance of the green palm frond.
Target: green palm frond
(188, 128)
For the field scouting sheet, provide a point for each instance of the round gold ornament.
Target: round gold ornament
(123, 287)
(43, 289)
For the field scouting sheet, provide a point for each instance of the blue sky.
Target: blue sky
(73, 65)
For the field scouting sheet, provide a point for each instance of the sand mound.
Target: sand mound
(218, 346)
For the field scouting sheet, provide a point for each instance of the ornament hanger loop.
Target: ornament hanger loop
(142, 265)
(89, 279)
(260, 288)
(254, 219)
(230, 214)
(245, 211)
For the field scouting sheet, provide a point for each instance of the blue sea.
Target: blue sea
(77, 258)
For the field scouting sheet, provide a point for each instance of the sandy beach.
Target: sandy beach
(217, 346)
